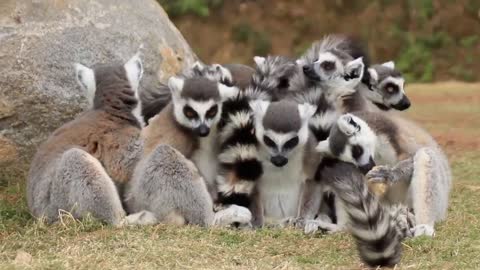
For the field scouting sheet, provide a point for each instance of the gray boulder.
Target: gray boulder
(41, 39)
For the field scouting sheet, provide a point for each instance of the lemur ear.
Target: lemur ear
(300, 62)
(134, 70)
(175, 84)
(86, 79)
(225, 74)
(306, 111)
(259, 60)
(348, 125)
(373, 75)
(227, 92)
(259, 107)
(323, 147)
(389, 64)
(198, 68)
(354, 69)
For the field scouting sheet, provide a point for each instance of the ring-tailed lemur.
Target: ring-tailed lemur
(83, 165)
(325, 64)
(240, 167)
(412, 165)
(284, 149)
(187, 124)
(378, 229)
(154, 100)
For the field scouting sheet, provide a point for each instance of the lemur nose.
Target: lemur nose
(307, 68)
(202, 130)
(279, 161)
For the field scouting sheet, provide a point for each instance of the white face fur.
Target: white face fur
(335, 75)
(359, 146)
(134, 71)
(198, 114)
(280, 145)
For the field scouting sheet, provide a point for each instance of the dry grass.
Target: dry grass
(26, 244)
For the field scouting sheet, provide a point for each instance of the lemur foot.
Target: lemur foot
(404, 220)
(423, 229)
(323, 223)
(233, 215)
(141, 218)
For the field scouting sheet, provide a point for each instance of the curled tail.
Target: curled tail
(375, 230)
(240, 167)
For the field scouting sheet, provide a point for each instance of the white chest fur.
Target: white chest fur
(205, 158)
(280, 188)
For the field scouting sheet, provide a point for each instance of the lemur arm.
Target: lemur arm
(402, 171)
(256, 208)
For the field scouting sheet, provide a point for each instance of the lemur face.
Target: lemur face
(351, 140)
(387, 87)
(274, 72)
(281, 128)
(197, 102)
(335, 69)
(214, 72)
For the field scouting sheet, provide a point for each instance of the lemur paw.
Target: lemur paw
(423, 229)
(235, 215)
(141, 218)
(380, 173)
(311, 226)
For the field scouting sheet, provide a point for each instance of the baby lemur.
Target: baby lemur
(165, 182)
(83, 164)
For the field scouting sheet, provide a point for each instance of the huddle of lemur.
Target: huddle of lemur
(316, 143)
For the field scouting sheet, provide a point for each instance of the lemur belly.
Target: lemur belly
(205, 159)
(280, 190)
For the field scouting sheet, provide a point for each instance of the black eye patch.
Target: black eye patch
(189, 112)
(290, 144)
(328, 65)
(391, 88)
(357, 151)
(212, 112)
(283, 83)
(268, 142)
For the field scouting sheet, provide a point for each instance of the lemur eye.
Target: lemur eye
(227, 82)
(189, 112)
(391, 88)
(212, 111)
(357, 151)
(328, 65)
(290, 144)
(269, 142)
(283, 83)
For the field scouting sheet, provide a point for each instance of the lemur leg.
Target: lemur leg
(310, 202)
(256, 208)
(82, 186)
(429, 190)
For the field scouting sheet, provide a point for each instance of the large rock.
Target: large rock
(41, 39)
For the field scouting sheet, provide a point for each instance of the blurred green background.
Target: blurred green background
(430, 40)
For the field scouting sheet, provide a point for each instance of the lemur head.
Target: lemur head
(387, 87)
(351, 140)
(281, 127)
(214, 72)
(197, 102)
(112, 87)
(334, 69)
(272, 75)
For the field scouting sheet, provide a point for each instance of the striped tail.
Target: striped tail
(240, 167)
(371, 224)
